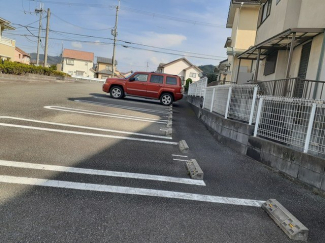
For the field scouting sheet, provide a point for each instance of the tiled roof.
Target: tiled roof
(80, 55)
(21, 51)
(105, 60)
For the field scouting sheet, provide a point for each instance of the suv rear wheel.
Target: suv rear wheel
(166, 99)
(117, 92)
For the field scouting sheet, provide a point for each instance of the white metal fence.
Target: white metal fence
(298, 123)
(232, 101)
(198, 88)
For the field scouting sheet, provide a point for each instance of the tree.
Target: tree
(187, 84)
(212, 77)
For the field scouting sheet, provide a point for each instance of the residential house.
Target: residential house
(181, 67)
(242, 19)
(104, 68)
(21, 56)
(7, 46)
(222, 71)
(289, 43)
(78, 63)
(126, 74)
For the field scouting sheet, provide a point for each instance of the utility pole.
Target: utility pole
(114, 33)
(147, 66)
(47, 36)
(40, 11)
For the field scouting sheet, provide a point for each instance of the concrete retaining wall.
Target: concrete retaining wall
(33, 78)
(237, 135)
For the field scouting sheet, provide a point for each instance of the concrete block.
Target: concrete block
(290, 225)
(169, 132)
(254, 153)
(310, 177)
(183, 147)
(169, 124)
(194, 169)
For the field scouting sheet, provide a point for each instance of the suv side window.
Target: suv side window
(141, 77)
(171, 80)
(157, 79)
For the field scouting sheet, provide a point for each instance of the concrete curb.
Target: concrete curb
(290, 225)
(194, 169)
(183, 147)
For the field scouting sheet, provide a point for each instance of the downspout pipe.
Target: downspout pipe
(320, 65)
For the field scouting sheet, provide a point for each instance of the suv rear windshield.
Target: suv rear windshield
(157, 79)
(171, 80)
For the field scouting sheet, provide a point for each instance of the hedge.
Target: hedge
(21, 69)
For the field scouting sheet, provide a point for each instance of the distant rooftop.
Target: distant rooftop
(79, 55)
(105, 60)
(5, 24)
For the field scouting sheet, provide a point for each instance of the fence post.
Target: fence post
(212, 101)
(258, 116)
(228, 102)
(253, 106)
(310, 127)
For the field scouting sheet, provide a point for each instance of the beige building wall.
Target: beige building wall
(79, 65)
(7, 49)
(312, 14)
(21, 58)
(192, 70)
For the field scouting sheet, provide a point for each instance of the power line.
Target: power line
(138, 11)
(125, 46)
(134, 43)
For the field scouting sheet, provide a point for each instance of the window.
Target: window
(192, 75)
(270, 63)
(171, 80)
(70, 61)
(157, 79)
(266, 10)
(141, 77)
(79, 73)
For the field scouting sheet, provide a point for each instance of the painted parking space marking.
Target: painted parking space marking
(129, 191)
(181, 159)
(87, 134)
(85, 127)
(139, 176)
(103, 114)
(123, 107)
(177, 155)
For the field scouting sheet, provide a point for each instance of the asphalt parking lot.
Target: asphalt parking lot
(79, 166)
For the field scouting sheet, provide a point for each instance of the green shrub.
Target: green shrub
(21, 69)
(187, 84)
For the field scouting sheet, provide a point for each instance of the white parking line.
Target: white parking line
(95, 113)
(176, 155)
(129, 191)
(180, 160)
(100, 172)
(84, 127)
(123, 107)
(87, 134)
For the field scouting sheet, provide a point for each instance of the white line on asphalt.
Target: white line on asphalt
(101, 172)
(83, 127)
(176, 155)
(105, 114)
(181, 159)
(122, 106)
(129, 191)
(87, 134)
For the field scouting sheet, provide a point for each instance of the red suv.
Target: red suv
(165, 87)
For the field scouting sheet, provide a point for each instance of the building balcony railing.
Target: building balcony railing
(6, 41)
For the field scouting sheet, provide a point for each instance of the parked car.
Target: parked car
(165, 87)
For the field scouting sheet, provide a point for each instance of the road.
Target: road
(79, 166)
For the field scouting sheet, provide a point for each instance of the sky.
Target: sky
(187, 26)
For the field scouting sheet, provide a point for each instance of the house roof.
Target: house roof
(80, 55)
(5, 24)
(105, 60)
(162, 65)
(21, 51)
